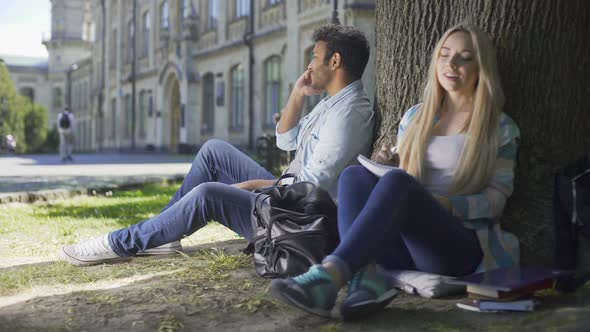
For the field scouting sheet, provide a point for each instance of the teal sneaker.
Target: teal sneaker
(368, 292)
(314, 291)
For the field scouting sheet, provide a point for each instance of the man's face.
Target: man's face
(320, 72)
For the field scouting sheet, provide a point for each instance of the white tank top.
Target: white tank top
(442, 159)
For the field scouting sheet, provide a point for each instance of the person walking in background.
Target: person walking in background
(65, 125)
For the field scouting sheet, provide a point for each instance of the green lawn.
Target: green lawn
(209, 287)
(33, 233)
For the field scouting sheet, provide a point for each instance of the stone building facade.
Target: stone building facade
(30, 77)
(203, 68)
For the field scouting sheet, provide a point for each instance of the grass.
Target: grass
(30, 233)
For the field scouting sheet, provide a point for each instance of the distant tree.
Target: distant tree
(12, 110)
(544, 58)
(36, 123)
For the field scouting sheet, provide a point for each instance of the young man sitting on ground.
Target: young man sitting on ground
(219, 184)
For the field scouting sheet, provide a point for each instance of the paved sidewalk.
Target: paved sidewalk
(33, 177)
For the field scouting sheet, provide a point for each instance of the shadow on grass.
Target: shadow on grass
(125, 207)
(237, 300)
(124, 214)
(26, 276)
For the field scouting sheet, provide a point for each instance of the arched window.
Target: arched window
(213, 14)
(145, 97)
(237, 97)
(164, 15)
(128, 117)
(242, 8)
(186, 8)
(146, 33)
(130, 38)
(272, 89)
(114, 119)
(207, 123)
(57, 97)
(28, 92)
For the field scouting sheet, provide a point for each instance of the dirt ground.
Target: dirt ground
(237, 300)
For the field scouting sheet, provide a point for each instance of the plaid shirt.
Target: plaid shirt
(481, 211)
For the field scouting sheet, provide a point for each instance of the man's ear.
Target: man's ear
(335, 61)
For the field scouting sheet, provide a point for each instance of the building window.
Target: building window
(219, 93)
(113, 50)
(273, 2)
(272, 68)
(187, 7)
(237, 97)
(184, 12)
(28, 92)
(114, 119)
(130, 37)
(76, 100)
(213, 16)
(146, 33)
(208, 103)
(58, 29)
(128, 117)
(242, 8)
(57, 98)
(80, 96)
(150, 104)
(144, 111)
(97, 35)
(164, 16)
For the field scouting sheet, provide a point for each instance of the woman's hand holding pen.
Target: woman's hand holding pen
(388, 155)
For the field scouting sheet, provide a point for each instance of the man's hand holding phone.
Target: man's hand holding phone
(303, 85)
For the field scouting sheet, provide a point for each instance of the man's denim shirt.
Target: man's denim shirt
(345, 130)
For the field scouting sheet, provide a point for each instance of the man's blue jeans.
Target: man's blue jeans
(206, 194)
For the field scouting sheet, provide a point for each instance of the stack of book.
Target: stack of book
(506, 289)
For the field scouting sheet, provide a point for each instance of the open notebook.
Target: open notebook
(374, 167)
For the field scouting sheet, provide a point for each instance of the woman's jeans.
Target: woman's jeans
(395, 222)
(206, 194)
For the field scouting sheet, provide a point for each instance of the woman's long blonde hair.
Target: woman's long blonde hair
(480, 151)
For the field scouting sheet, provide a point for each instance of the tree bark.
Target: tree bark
(543, 51)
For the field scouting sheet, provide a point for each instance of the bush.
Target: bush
(51, 142)
(36, 127)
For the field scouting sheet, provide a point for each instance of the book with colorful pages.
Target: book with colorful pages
(480, 305)
(510, 282)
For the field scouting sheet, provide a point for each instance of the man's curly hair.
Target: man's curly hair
(350, 42)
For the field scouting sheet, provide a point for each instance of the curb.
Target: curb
(54, 194)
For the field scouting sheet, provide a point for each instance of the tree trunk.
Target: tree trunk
(544, 58)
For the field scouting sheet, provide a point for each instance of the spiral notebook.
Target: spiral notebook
(374, 167)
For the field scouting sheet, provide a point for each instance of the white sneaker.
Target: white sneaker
(91, 252)
(165, 249)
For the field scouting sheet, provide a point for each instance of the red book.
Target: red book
(510, 282)
(499, 294)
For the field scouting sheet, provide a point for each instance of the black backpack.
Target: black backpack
(64, 121)
(295, 227)
(571, 203)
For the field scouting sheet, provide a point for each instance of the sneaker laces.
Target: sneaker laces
(312, 275)
(356, 280)
(92, 247)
